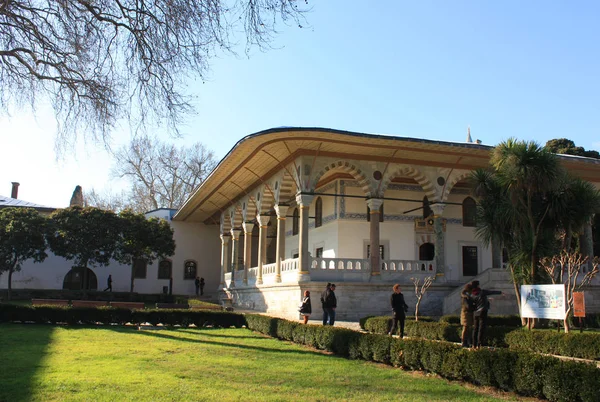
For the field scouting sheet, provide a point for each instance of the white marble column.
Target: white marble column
(224, 252)
(263, 221)
(303, 202)
(440, 237)
(375, 258)
(281, 210)
(248, 226)
(235, 237)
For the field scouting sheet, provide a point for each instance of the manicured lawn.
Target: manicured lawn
(50, 363)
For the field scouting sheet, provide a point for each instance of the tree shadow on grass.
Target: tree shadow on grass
(164, 335)
(22, 350)
(206, 332)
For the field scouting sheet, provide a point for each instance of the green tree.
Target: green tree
(21, 238)
(527, 201)
(143, 240)
(87, 236)
(567, 147)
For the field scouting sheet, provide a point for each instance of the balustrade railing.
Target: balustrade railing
(408, 265)
(268, 269)
(291, 264)
(350, 264)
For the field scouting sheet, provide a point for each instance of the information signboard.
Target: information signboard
(578, 304)
(543, 301)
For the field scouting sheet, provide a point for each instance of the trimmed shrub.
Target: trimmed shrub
(574, 344)
(110, 315)
(493, 320)
(510, 370)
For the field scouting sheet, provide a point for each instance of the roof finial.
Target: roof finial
(469, 139)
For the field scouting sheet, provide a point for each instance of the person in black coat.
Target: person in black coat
(482, 306)
(399, 309)
(329, 301)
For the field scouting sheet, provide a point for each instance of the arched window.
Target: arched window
(139, 268)
(427, 212)
(295, 221)
(469, 211)
(319, 212)
(165, 269)
(380, 213)
(190, 270)
(426, 252)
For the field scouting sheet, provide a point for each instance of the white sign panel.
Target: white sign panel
(543, 301)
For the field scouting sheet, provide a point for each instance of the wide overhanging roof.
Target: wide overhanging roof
(256, 157)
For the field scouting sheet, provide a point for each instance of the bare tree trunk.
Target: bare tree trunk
(517, 292)
(417, 309)
(10, 272)
(132, 277)
(566, 321)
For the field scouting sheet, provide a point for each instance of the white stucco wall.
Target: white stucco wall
(194, 241)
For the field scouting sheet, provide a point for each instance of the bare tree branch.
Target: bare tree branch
(103, 60)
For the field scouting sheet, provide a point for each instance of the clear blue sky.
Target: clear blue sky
(423, 69)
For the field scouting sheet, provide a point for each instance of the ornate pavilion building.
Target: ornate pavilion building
(299, 207)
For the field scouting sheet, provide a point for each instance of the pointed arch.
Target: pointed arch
(350, 167)
(452, 181)
(414, 173)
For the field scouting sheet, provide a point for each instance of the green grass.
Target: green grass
(50, 363)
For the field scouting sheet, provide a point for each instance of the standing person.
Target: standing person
(109, 283)
(331, 304)
(466, 315)
(201, 286)
(480, 315)
(399, 309)
(197, 283)
(306, 307)
(325, 310)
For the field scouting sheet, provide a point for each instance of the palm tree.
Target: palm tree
(529, 174)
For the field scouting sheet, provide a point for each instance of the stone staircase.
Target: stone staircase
(491, 279)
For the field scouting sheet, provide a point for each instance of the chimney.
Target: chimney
(15, 190)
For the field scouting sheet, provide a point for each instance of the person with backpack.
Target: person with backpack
(466, 315)
(480, 315)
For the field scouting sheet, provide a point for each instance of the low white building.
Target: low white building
(290, 209)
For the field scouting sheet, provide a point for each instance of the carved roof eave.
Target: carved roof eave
(257, 157)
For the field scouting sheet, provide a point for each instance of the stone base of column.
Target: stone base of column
(303, 276)
(277, 278)
(259, 281)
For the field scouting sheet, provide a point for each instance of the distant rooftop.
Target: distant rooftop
(6, 202)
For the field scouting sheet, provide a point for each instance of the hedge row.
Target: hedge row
(437, 331)
(517, 371)
(109, 315)
(493, 320)
(574, 344)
